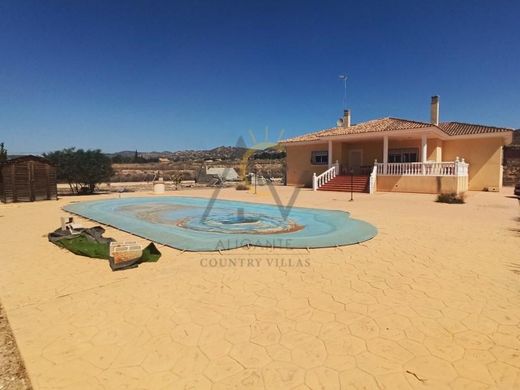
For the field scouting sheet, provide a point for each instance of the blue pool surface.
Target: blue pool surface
(201, 224)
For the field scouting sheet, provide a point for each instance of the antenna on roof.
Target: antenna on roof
(344, 78)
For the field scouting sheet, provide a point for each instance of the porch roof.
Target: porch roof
(395, 124)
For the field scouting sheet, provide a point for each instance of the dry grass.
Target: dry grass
(451, 198)
(12, 369)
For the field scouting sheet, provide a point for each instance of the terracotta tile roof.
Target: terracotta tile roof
(458, 128)
(372, 126)
(393, 124)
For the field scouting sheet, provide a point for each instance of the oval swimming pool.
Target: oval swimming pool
(201, 224)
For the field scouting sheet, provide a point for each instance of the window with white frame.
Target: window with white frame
(403, 155)
(320, 157)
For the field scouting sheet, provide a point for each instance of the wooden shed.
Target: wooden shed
(26, 179)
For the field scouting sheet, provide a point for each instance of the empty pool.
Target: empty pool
(200, 224)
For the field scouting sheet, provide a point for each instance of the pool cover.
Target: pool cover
(201, 224)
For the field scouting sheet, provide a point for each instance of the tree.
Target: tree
(117, 159)
(176, 178)
(81, 169)
(3, 152)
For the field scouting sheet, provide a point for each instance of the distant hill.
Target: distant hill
(223, 153)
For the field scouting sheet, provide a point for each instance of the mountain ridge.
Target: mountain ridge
(218, 153)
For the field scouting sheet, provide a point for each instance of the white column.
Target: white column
(424, 153)
(424, 148)
(385, 153)
(330, 154)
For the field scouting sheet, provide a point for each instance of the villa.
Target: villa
(399, 155)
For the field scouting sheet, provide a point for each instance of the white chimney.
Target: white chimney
(346, 118)
(435, 110)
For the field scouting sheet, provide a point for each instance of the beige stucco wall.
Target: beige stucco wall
(299, 167)
(372, 150)
(337, 152)
(419, 184)
(404, 144)
(434, 150)
(484, 157)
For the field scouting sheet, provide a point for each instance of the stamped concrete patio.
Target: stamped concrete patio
(432, 302)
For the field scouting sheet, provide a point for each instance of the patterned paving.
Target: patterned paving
(432, 302)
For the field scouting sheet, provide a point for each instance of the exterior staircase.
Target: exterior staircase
(342, 183)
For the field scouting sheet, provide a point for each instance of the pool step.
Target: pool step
(344, 183)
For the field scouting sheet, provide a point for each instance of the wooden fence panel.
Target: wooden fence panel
(27, 180)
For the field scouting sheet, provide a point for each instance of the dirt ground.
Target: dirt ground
(431, 302)
(12, 369)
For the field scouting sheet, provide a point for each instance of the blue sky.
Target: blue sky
(176, 75)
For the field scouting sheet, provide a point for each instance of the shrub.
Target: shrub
(81, 169)
(451, 198)
(242, 187)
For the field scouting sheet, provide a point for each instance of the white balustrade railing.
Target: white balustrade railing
(329, 174)
(457, 168)
(461, 168)
(373, 180)
(451, 168)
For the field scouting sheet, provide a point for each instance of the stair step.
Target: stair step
(343, 190)
(354, 181)
(360, 187)
(346, 183)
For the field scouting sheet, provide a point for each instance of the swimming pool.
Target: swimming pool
(201, 224)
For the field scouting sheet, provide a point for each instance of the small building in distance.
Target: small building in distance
(27, 179)
(217, 175)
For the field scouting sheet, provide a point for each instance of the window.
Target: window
(402, 155)
(319, 157)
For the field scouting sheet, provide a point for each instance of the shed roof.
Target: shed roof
(28, 157)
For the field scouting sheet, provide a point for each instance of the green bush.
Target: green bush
(242, 187)
(81, 169)
(451, 198)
